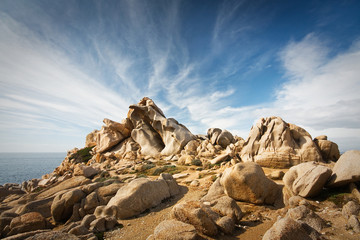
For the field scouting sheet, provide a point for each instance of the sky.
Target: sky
(67, 65)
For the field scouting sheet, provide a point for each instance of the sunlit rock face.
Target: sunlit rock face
(272, 142)
(155, 133)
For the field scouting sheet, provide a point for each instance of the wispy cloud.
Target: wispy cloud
(62, 81)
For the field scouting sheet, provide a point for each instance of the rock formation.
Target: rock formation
(274, 143)
(150, 175)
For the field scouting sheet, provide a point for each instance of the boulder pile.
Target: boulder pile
(203, 186)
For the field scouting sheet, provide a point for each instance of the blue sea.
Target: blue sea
(19, 167)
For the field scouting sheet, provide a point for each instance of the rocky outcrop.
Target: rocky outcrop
(62, 206)
(274, 143)
(329, 150)
(220, 137)
(306, 215)
(306, 179)
(137, 196)
(247, 182)
(346, 169)
(287, 228)
(111, 134)
(28, 222)
(154, 132)
(174, 230)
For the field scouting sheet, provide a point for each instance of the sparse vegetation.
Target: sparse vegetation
(81, 156)
(196, 162)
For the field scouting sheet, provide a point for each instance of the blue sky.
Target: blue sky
(66, 65)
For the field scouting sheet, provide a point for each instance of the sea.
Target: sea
(19, 167)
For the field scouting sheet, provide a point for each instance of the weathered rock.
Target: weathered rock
(91, 139)
(139, 195)
(191, 147)
(86, 171)
(42, 206)
(4, 192)
(220, 158)
(346, 169)
(185, 159)
(28, 222)
(353, 223)
(276, 175)
(91, 202)
(274, 143)
(52, 236)
(87, 220)
(105, 193)
(98, 225)
(111, 134)
(247, 182)
(288, 229)
(226, 206)
(306, 179)
(306, 215)
(192, 213)
(215, 191)
(350, 208)
(174, 230)
(62, 206)
(174, 188)
(79, 230)
(154, 132)
(329, 150)
(220, 137)
(226, 224)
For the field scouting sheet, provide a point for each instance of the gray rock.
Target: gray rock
(346, 169)
(306, 179)
(288, 229)
(306, 215)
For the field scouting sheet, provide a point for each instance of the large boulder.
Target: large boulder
(111, 134)
(174, 230)
(53, 235)
(274, 143)
(247, 182)
(196, 214)
(62, 206)
(329, 150)
(306, 215)
(288, 229)
(137, 196)
(346, 169)
(28, 222)
(306, 179)
(86, 171)
(155, 133)
(220, 137)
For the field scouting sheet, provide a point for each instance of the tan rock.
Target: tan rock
(62, 206)
(220, 158)
(226, 206)
(247, 182)
(192, 213)
(86, 171)
(154, 132)
(274, 143)
(329, 150)
(91, 139)
(28, 222)
(306, 179)
(139, 195)
(220, 137)
(175, 230)
(53, 235)
(346, 170)
(287, 228)
(306, 215)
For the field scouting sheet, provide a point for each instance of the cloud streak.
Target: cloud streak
(62, 82)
